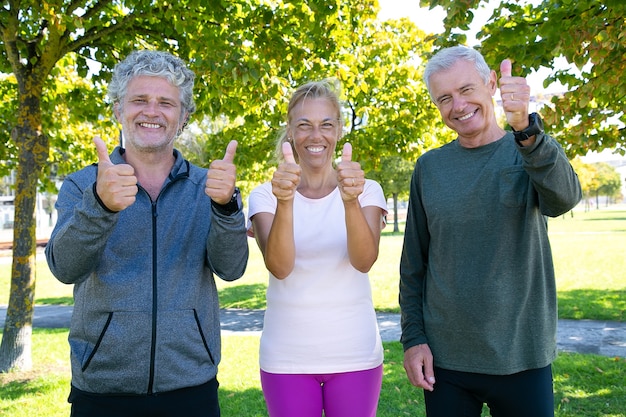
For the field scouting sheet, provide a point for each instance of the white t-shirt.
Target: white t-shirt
(320, 318)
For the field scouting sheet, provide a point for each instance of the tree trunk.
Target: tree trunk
(395, 213)
(15, 350)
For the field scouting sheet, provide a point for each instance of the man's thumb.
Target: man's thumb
(505, 68)
(101, 148)
(346, 154)
(229, 156)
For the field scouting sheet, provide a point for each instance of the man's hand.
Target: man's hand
(221, 176)
(116, 185)
(350, 176)
(287, 176)
(515, 94)
(418, 364)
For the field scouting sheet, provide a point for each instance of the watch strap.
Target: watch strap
(535, 127)
(233, 206)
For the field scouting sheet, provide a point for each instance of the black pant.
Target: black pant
(462, 394)
(199, 401)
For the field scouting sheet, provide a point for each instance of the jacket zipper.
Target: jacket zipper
(153, 343)
(154, 298)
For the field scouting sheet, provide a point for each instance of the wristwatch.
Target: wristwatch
(535, 127)
(233, 206)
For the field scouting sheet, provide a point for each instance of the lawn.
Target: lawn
(591, 274)
(588, 255)
(585, 385)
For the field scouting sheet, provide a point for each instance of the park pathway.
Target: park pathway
(581, 336)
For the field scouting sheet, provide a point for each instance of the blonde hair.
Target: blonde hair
(327, 89)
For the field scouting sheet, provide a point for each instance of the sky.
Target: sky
(431, 21)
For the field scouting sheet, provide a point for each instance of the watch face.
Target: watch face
(538, 122)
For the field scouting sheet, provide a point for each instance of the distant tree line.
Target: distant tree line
(598, 179)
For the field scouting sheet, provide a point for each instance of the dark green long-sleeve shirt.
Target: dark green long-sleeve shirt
(476, 275)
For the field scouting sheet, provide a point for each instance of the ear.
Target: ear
(116, 111)
(493, 82)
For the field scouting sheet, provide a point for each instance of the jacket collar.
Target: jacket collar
(180, 169)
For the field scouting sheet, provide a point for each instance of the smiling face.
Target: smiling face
(150, 114)
(465, 101)
(315, 129)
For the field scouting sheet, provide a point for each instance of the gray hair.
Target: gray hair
(153, 64)
(447, 57)
(327, 89)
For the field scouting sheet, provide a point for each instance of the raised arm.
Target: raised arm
(363, 224)
(274, 232)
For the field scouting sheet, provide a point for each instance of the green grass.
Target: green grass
(590, 264)
(588, 255)
(585, 385)
(42, 391)
(591, 274)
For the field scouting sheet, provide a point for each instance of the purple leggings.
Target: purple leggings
(346, 394)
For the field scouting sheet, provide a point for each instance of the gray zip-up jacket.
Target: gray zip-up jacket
(146, 312)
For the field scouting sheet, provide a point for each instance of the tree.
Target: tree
(587, 34)
(394, 175)
(587, 176)
(240, 51)
(597, 179)
(386, 106)
(248, 56)
(391, 120)
(609, 182)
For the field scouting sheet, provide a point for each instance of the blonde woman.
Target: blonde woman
(318, 226)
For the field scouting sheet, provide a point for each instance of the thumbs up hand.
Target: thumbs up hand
(350, 176)
(221, 176)
(116, 185)
(287, 176)
(515, 94)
